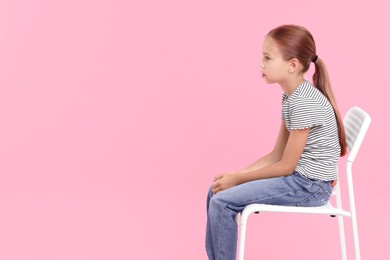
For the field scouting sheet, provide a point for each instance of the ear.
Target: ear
(294, 63)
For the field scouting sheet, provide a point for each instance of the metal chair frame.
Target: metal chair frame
(356, 123)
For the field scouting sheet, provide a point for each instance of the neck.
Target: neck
(290, 85)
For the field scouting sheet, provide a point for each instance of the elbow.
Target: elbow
(289, 172)
(288, 168)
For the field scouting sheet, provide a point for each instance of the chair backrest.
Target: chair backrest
(356, 123)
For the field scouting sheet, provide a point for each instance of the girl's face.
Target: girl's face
(273, 68)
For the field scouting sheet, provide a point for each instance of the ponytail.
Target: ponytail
(322, 83)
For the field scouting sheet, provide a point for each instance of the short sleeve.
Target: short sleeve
(306, 113)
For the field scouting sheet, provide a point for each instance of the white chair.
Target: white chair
(356, 123)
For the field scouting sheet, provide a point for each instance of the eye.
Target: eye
(266, 58)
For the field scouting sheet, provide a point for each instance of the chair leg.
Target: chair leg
(355, 237)
(342, 238)
(241, 247)
(353, 211)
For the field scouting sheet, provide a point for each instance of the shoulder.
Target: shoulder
(306, 90)
(307, 95)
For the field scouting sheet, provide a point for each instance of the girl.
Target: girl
(302, 167)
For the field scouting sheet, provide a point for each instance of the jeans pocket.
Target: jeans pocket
(303, 181)
(319, 198)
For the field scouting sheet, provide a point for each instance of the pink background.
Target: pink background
(115, 116)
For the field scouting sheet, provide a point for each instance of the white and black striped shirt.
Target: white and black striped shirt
(307, 107)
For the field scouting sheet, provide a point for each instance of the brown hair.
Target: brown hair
(297, 42)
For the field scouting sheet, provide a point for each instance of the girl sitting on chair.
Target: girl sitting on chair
(299, 171)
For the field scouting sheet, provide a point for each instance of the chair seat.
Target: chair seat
(327, 209)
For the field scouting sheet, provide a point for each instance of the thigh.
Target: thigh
(277, 191)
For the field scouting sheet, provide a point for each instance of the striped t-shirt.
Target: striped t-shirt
(307, 107)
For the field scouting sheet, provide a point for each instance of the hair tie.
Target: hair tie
(314, 59)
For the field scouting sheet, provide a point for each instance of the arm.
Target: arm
(294, 148)
(283, 167)
(275, 155)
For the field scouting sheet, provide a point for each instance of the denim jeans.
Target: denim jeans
(222, 208)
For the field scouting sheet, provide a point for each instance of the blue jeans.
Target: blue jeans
(222, 208)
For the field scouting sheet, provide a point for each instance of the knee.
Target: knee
(213, 204)
(210, 195)
(219, 206)
(217, 201)
(210, 192)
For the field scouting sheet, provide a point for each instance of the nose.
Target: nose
(261, 66)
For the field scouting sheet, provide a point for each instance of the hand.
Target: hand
(224, 181)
